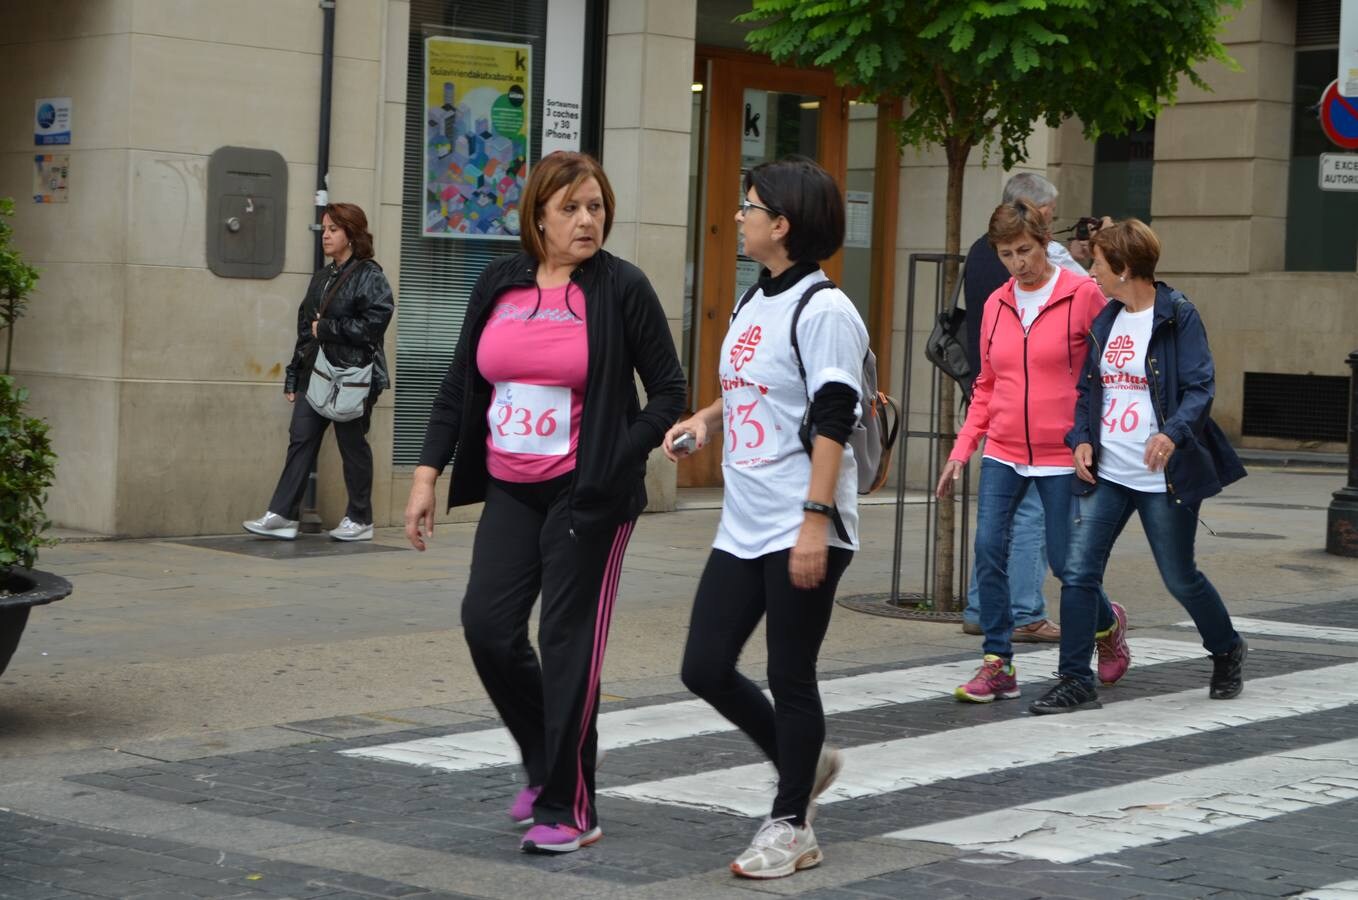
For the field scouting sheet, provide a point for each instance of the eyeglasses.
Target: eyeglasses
(747, 205)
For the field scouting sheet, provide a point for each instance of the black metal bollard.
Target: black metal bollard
(1341, 532)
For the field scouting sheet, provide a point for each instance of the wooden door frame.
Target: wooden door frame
(731, 72)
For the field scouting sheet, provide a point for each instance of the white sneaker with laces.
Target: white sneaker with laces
(349, 530)
(779, 848)
(828, 767)
(272, 525)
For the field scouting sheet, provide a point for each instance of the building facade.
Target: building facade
(162, 378)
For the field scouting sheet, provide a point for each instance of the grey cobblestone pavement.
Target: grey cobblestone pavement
(113, 785)
(652, 848)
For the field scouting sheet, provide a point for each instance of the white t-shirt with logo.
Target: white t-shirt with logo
(1128, 418)
(766, 469)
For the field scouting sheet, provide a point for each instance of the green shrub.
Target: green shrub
(17, 279)
(27, 468)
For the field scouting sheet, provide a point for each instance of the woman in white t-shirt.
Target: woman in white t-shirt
(1143, 443)
(789, 522)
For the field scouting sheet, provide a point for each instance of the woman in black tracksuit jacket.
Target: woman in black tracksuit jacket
(563, 533)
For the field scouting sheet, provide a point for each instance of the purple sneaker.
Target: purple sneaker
(521, 810)
(1114, 654)
(558, 838)
(995, 680)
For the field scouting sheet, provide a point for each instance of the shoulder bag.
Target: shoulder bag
(338, 393)
(946, 346)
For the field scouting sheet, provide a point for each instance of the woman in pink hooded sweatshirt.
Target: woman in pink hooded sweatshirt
(1033, 333)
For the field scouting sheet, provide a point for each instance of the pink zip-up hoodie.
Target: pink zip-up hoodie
(1023, 401)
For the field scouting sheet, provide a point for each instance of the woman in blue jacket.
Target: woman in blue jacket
(1143, 442)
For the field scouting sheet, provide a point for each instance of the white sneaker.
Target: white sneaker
(778, 849)
(272, 525)
(828, 767)
(349, 530)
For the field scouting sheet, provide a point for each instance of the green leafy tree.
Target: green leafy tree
(17, 279)
(27, 469)
(985, 73)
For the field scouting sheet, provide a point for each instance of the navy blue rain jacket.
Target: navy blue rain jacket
(1182, 384)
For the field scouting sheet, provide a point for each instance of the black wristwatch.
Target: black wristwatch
(822, 508)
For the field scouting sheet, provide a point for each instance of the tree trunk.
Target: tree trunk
(945, 598)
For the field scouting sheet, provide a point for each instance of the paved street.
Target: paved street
(227, 718)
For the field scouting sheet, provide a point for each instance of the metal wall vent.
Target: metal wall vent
(1296, 407)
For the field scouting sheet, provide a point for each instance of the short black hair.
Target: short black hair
(804, 194)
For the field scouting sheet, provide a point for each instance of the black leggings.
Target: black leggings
(304, 444)
(524, 546)
(733, 595)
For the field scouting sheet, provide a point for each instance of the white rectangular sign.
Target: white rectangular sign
(563, 87)
(858, 218)
(1339, 171)
(51, 121)
(1348, 48)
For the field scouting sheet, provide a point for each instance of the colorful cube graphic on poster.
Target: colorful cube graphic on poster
(476, 136)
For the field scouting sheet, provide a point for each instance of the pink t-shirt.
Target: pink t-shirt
(536, 362)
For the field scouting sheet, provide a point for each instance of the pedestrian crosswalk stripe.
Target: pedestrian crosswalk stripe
(473, 750)
(1199, 801)
(1343, 890)
(1273, 628)
(896, 765)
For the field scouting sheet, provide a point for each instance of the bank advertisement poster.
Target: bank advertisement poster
(476, 136)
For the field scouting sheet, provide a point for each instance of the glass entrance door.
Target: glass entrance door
(751, 112)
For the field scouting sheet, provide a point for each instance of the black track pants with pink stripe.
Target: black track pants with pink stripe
(523, 546)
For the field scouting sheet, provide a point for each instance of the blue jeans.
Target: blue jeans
(1027, 567)
(1170, 529)
(998, 499)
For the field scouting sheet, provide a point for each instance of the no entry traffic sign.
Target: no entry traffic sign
(1339, 117)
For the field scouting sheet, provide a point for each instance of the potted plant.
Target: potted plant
(17, 279)
(27, 466)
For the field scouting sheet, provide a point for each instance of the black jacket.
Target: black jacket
(626, 333)
(1182, 385)
(982, 275)
(353, 326)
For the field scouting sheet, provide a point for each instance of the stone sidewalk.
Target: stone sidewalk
(170, 729)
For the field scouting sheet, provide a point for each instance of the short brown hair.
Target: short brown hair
(1130, 247)
(351, 218)
(562, 169)
(1010, 221)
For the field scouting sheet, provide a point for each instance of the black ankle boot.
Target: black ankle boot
(1227, 676)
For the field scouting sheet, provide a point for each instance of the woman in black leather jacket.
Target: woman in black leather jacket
(345, 312)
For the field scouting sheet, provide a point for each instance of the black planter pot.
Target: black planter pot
(27, 588)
